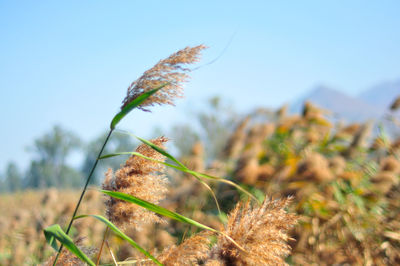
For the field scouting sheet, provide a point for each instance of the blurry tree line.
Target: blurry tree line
(53, 152)
(51, 164)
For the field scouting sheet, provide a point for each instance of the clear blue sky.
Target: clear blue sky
(69, 62)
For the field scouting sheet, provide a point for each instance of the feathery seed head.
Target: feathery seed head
(383, 181)
(170, 71)
(390, 164)
(260, 230)
(337, 165)
(235, 142)
(396, 104)
(140, 178)
(191, 251)
(315, 167)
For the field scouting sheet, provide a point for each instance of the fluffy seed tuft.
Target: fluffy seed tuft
(170, 71)
(140, 178)
(261, 230)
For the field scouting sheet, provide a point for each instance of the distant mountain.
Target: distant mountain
(381, 95)
(341, 105)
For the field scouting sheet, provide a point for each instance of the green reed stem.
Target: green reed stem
(83, 193)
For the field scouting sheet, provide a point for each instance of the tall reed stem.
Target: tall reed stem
(83, 193)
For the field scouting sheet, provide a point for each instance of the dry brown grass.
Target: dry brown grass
(26, 214)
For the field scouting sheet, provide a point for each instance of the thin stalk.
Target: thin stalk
(83, 193)
(112, 255)
(102, 245)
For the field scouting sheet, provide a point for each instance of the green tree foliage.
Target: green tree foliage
(50, 167)
(183, 138)
(13, 178)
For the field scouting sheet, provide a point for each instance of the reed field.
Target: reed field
(297, 189)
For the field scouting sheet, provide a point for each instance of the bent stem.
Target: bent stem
(83, 192)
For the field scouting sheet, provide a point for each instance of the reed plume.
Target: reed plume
(260, 230)
(190, 252)
(141, 178)
(248, 168)
(314, 167)
(359, 140)
(170, 71)
(390, 164)
(235, 142)
(310, 111)
(396, 104)
(337, 165)
(384, 180)
(195, 160)
(282, 112)
(387, 177)
(167, 75)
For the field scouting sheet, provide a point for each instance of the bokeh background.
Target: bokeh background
(65, 67)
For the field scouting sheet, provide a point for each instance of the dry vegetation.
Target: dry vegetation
(341, 181)
(26, 214)
(344, 183)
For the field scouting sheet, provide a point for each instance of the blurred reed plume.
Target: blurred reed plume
(195, 160)
(387, 176)
(396, 104)
(248, 169)
(360, 139)
(190, 252)
(345, 178)
(315, 167)
(170, 71)
(310, 111)
(140, 178)
(236, 141)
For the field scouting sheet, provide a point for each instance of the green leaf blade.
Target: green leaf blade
(132, 105)
(161, 151)
(54, 232)
(167, 213)
(156, 209)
